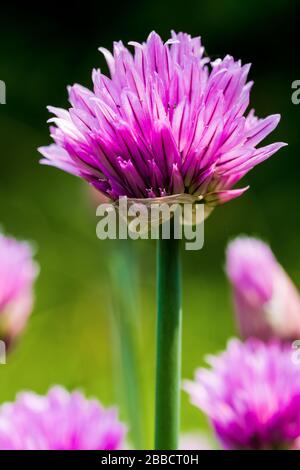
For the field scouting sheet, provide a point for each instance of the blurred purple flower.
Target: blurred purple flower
(17, 274)
(58, 421)
(167, 122)
(251, 395)
(267, 303)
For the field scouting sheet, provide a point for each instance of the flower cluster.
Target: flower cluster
(58, 421)
(251, 395)
(267, 303)
(167, 122)
(17, 274)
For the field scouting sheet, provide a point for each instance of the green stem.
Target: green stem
(168, 344)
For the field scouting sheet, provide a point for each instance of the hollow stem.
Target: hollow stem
(168, 344)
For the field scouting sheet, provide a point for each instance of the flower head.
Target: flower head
(166, 122)
(267, 303)
(17, 274)
(251, 395)
(58, 421)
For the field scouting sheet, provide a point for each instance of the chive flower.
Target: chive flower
(59, 421)
(251, 395)
(267, 303)
(167, 121)
(18, 272)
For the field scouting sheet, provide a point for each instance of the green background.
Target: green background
(71, 337)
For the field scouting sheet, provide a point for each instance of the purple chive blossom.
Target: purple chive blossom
(166, 122)
(267, 304)
(58, 421)
(17, 274)
(251, 395)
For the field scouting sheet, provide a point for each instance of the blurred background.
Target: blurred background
(71, 338)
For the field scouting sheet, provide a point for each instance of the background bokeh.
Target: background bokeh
(71, 336)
